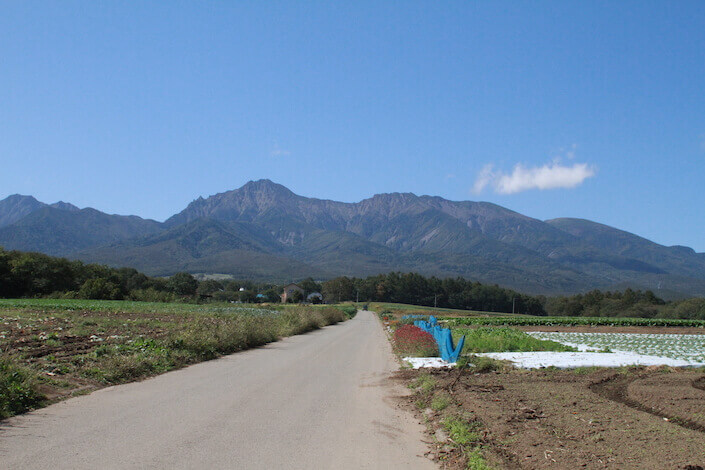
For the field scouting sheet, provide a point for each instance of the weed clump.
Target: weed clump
(18, 389)
(483, 365)
(462, 431)
(440, 402)
(349, 310)
(424, 384)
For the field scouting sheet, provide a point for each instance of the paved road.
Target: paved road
(313, 401)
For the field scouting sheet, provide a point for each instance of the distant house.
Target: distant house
(289, 292)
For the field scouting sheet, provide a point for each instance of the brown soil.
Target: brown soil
(675, 398)
(46, 343)
(633, 418)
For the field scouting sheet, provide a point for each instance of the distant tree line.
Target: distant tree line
(37, 275)
(459, 293)
(629, 303)
(25, 274)
(412, 288)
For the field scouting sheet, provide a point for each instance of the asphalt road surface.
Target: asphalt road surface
(315, 401)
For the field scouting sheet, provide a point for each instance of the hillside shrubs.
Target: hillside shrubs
(410, 340)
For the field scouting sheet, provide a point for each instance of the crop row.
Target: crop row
(117, 306)
(685, 347)
(572, 321)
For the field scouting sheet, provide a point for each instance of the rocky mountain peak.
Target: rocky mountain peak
(17, 206)
(64, 206)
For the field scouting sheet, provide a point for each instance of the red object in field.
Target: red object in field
(413, 341)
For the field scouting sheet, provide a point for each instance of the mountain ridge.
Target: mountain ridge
(267, 222)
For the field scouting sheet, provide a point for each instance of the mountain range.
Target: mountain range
(263, 231)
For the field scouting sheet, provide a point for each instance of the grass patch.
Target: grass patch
(349, 310)
(483, 365)
(476, 461)
(18, 389)
(501, 339)
(462, 431)
(424, 383)
(440, 402)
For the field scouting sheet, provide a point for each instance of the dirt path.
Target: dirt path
(320, 400)
(647, 394)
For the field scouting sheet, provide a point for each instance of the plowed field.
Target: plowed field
(601, 418)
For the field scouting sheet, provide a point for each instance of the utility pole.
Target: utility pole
(357, 298)
(435, 298)
(513, 299)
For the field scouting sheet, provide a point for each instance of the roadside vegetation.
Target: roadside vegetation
(458, 437)
(410, 340)
(18, 389)
(52, 349)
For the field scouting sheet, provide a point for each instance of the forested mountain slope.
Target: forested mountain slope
(264, 230)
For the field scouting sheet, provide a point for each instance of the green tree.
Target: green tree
(183, 284)
(338, 289)
(309, 286)
(248, 296)
(272, 295)
(297, 297)
(209, 287)
(100, 289)
(6, 284)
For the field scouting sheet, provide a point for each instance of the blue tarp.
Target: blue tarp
(443, 337)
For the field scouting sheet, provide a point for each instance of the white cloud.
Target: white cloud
(550, 176)
(278, 152)
(566, 152)
(483, 179)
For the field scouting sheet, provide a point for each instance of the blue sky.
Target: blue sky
(552, 109)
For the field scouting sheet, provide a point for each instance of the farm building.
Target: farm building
(289, 292)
